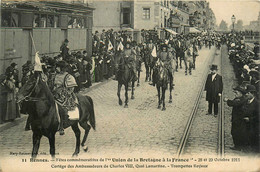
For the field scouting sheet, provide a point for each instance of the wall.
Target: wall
(139, 22)
(47, 41)
(104, 17)
(17, 39)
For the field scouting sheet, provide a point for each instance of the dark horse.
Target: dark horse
(161, 81)
(149, 64)
(125, 76)
(44, 116)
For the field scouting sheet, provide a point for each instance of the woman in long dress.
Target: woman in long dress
(12, 110)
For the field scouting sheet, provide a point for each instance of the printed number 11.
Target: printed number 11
(23, 160)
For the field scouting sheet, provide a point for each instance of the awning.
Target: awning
(194, 30)
(171, 31)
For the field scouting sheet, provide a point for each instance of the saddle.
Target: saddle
(65, 96)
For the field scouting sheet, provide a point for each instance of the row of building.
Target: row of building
(178, 16)
(29, 26)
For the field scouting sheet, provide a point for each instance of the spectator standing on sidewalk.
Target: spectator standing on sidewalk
(3, 97)
(12, 109)
(251, 114)
(213, 88)
(238, 124)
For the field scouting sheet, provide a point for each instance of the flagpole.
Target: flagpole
(33, 42)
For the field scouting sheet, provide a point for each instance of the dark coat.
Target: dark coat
(252, 111)
(239, 130)
(64, 51)
(3, 101)
(213, 88)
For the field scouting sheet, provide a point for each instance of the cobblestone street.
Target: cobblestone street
(139, 129)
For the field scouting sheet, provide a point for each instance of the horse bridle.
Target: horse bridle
(32, 99)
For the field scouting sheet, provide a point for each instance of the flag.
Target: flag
(110, 46)
(120, 46)
(38, 64)
(154, 54)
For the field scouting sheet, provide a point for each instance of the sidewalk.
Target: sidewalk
(7, 125)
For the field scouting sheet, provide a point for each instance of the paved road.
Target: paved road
(139, 129)
(203, 138)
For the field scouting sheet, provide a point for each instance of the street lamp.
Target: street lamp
(233, 19)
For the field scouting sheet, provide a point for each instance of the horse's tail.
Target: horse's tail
(92, 119)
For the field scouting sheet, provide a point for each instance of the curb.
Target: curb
(17, 121)
(23, 118)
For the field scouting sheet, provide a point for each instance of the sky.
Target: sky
(246, 10)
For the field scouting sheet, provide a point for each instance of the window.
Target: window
(36, 20)
(126, 15)
(50, 21)
(15, 20)
(56, 22)
(146, 13)
(6, 19)
(43, 20)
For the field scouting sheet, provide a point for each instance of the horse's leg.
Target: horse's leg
(52, 144)
(132, 93)
(76, 130)
(163, 97)
(138, 77)
(147, 72)
(87, 128)
(159, 96)
(36, 144)
(118, 93)
(126, 95)
(150, 73)
(171, 87)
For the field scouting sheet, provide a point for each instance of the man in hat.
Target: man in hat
(26, 71)
(213, 88)
(251, 116)
(65, 49)
(238, 127)
(13, 70)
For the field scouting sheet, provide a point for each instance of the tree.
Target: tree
(239, 25)
(223, 26)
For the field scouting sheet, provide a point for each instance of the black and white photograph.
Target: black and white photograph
(129, 85)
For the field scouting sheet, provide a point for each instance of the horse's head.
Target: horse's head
(28, 88)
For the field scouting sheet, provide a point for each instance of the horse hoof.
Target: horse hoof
(132, 97)
(159, 107)
(163, 109)
(82, 144)
(170, 101)
(74, 154)
(85, 149)
(126, 106)
(138, 85)
(120, 103)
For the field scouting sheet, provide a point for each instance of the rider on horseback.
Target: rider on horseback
(129, 56)
(167, 58)
(63, 92)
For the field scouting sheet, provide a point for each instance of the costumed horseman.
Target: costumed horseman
(166, 58)
(128, 56)
(64, 85)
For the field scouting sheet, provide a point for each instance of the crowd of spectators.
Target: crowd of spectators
(245, 113)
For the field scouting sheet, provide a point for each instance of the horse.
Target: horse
(45, 119)
(161, 82)
(149, 64)
(138, 68)
(125, 76)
